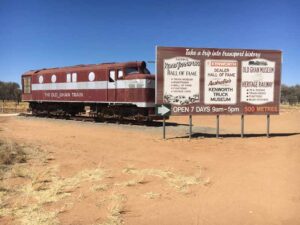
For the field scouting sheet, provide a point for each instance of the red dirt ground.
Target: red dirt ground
(254, 180)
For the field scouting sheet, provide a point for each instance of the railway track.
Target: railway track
(85, 118)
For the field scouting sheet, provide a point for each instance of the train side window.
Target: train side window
(91, 76)
(68, 77)
(53, 78)
(112, 76)
(74, 77)
(27, 84)
(120, 73)
(41, 79)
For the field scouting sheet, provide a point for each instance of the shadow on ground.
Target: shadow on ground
(209, 135)
(108, 120)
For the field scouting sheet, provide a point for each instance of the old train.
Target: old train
(117, 90)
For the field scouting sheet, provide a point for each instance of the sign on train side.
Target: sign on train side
(218, 81)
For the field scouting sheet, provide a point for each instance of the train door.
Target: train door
(120, 95)
(26, 85)
(111, 86)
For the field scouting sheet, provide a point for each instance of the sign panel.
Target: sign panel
(258, 79)
(218, 81)
(181, 84)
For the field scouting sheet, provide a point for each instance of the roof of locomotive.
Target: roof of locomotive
(85, 66)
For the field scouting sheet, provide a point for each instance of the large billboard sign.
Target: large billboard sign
(218, 81)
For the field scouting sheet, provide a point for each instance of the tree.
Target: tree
(10, 91)
(290, 94)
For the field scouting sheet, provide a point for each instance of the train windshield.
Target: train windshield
(136, 70)
(145, 71)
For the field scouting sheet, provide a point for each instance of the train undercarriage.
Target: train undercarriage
(95, 110)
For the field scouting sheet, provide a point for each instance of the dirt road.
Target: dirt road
(97, 173)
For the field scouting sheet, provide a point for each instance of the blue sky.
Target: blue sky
(39, 34)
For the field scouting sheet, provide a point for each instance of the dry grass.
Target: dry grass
(289, 108)
(178, 181)
(11, 153)
(25, 207)
(115, 210)
(152, 195)
(14, 157)
(35, 215)
(13, 107)
(100, 187)
(4, 191)
(25, 203)
(42, 186)
(133, 182)
(20, 171)
(46, 187)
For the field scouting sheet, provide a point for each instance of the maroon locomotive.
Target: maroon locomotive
(123, 90)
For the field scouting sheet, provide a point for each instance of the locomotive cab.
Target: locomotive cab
(141, 69)
(130, 83)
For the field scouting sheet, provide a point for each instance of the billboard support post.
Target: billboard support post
(163, 111)
(268, 125)
(190, 123)
(218, 126)
(242, 125)
(164, 127)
